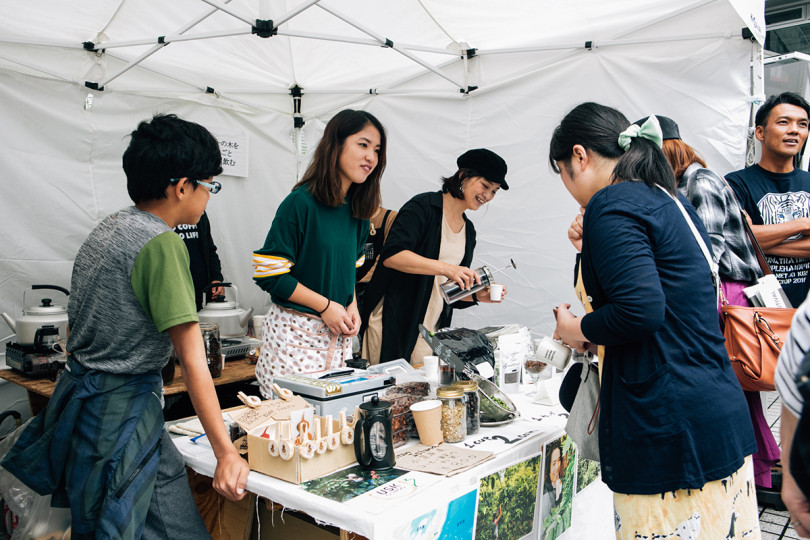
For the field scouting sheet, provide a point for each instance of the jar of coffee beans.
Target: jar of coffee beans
(472, 402)
(454, 413)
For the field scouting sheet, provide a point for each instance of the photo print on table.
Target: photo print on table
(507, 501)
(452, 522)
(587, 471)
(348, 483)
(557, 499)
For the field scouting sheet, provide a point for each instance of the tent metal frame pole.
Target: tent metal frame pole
(42, 43)
(292, 13)
(137, 60)
(608, 43)
(225, 9)
(389, 43)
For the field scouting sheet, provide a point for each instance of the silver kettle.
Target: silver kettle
(41, 325)
(232, 319)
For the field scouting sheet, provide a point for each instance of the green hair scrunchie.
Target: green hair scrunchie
(650, 130)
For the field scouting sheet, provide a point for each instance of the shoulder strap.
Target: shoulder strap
(703, 247)
(763, 264)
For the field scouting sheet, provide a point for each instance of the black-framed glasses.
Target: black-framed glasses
(213, 187)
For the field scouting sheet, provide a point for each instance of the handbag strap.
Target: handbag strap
(763, 263)
(713, 267)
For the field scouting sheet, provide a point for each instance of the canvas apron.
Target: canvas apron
(296, 343)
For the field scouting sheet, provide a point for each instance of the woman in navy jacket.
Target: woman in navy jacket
(674, 435)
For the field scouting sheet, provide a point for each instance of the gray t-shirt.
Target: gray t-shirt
(131, 283)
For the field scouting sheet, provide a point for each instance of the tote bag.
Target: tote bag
(583, 420)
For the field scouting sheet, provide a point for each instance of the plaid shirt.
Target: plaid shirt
(718, 209)
(95, 448)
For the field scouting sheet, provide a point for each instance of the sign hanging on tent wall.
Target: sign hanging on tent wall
(233, 145)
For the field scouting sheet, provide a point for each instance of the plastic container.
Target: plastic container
(473, 404)
(454, 413)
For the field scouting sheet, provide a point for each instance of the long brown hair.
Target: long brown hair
(322, 177)
(680, 155)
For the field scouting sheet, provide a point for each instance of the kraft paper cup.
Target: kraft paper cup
(431, 364)
(428, 418)
(496, 292)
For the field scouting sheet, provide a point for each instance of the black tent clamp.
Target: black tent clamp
(264, 28)
(93, 86)
(296, 92)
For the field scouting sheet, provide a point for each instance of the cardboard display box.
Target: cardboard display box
(299, 469)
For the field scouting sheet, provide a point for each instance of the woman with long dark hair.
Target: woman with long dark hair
(674, 435)
(315, 244)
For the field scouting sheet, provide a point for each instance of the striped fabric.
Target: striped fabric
(796, 346)
(360, 262)
(268, 265)
(96, 449)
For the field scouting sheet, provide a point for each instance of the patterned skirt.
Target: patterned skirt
(722, 509)
(297, 343)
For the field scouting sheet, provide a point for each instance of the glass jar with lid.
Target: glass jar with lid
(472, 402)
(454, 414)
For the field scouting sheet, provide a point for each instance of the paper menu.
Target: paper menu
(443, 459)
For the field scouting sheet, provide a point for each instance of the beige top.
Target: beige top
(451, 251)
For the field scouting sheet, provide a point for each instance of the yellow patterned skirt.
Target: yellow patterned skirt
(720, 510)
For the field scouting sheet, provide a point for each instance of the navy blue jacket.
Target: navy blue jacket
(673, 415)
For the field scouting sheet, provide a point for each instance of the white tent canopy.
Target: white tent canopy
(442, 75)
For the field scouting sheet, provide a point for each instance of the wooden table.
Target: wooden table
(40, 390)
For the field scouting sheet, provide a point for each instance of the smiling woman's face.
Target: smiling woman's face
(554, 466)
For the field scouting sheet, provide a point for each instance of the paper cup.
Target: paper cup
(428, 418)
(552, 352)
(431, 364)
(496, 292)
(257, 326)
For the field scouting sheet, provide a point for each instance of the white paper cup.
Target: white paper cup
(428, 418)
(496, 292)
(258, 320)
(431, 364)
(552, 352)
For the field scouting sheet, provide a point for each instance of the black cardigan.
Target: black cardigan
(418, 228)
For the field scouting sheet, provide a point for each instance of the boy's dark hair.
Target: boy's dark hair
(788, 98)
(597, 127)
(322, 177)
(164, 148)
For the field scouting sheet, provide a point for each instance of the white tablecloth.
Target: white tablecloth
(512, 443)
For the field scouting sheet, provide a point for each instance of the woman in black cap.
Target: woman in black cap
(431, 241)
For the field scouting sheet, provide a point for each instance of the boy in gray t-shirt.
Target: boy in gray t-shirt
(100, 447)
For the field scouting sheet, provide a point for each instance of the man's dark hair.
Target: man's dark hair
(164, 148)
(788, 98)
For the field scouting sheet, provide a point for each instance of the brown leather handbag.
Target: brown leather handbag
(754, 338)
(755, 335)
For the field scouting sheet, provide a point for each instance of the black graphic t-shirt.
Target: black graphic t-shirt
(191, 236)
(771, 198)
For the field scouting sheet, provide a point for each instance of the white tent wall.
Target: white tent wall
(61, 163)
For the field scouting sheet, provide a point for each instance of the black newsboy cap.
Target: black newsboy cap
(484, 163)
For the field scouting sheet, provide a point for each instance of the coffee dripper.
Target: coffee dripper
(452, 291)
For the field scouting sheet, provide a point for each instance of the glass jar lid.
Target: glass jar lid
(449, 392)
(467, 386)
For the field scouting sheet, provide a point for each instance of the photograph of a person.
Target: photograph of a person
(506, 502)
(558, 487)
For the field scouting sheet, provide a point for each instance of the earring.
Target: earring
(462, 190)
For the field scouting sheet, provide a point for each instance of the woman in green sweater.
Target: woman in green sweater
(313, 249)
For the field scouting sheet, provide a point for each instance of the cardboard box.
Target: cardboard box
(299, 469)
